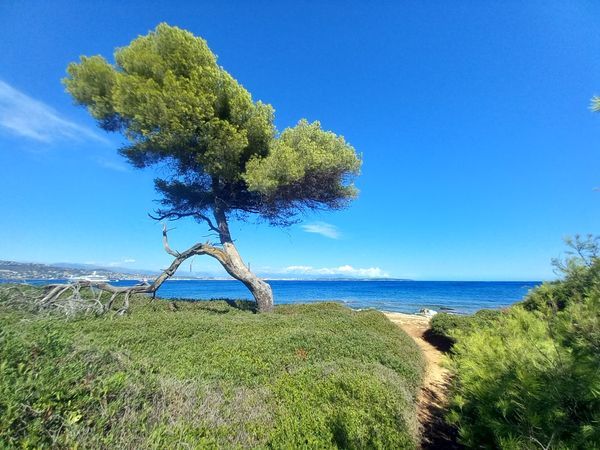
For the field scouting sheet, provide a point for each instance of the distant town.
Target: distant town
(12, 270)
(17, 271)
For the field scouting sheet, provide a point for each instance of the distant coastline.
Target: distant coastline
(463, 297)
(21, 271)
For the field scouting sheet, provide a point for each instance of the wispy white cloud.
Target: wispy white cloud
(346, 270)
(25, 116)
(111, 165)
(323, 228)
(121, 263)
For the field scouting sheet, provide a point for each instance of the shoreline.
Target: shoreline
(407, 318)
(461, 302)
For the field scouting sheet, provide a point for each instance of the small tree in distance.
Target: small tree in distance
(224, 157)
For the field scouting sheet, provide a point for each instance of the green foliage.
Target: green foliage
(527, 381)
(208, 375)
(581, 275)
(167, 94)
(531, 378)
(303, 158)
(449, 325)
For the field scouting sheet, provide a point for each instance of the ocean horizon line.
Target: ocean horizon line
(403, 280)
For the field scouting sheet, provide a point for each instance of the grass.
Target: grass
(207, 375)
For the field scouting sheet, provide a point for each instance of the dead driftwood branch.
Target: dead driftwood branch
(68, 299)
(68, 296)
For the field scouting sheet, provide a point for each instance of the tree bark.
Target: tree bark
(228, 256)
(235, 266)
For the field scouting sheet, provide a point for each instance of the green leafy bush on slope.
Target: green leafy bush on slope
(448, 325)
(208, 375)
(531, 378)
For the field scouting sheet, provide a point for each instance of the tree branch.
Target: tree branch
(57, 290)
(210, 223)
(177, 216)
(170, 215)
(166, 243)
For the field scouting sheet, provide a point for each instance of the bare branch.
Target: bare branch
(176, 215)
(166, 243)
(57, 290)
(170, 215)
(210, 223)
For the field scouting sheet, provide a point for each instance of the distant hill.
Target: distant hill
(96, 267)
(13, 270)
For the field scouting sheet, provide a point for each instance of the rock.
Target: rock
(427, 312)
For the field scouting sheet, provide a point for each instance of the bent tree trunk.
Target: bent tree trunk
(227, 255)
(261, 291)
(235, 266)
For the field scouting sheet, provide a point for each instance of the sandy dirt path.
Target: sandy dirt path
(436, 434)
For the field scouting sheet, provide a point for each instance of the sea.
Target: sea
(459, 297)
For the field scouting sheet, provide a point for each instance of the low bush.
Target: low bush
(530, 383)
(207, 375)
(450, 325)
(530, 379)
(581, 275)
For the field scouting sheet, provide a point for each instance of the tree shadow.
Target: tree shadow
(437, 433)
(242, 305)
(215, 305)
(441, 343)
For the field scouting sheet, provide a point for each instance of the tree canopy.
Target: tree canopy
(166, 93)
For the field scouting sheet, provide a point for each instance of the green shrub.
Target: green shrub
(520, 384)
(531, 378)
(581, 275)
(579, 281)
(208, 375)
(449, 325)
(444, 324)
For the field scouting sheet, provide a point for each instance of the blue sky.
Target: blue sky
(480, 151)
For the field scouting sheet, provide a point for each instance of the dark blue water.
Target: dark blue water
(401, 296)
